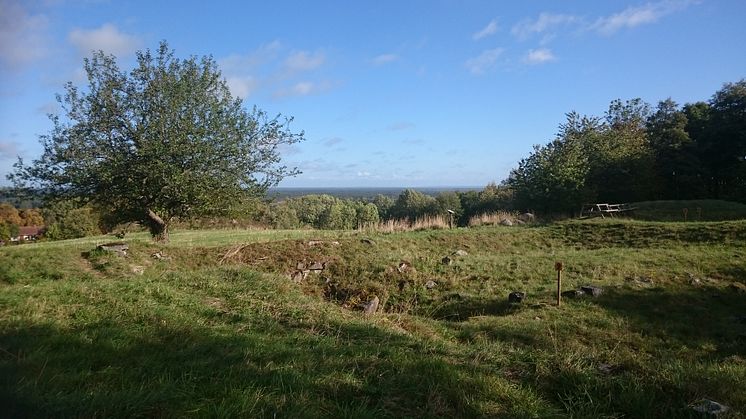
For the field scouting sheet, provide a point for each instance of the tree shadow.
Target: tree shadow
(345, 370)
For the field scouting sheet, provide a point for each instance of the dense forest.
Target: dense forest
(634, 152)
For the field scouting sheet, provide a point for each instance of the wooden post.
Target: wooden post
(686, 212)
(558, 268)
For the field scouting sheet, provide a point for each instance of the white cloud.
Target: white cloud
(384, 59)
(23, 37)
(636, 16)
(241, 86)
(107, 38)
(539, 56)
(484, 62)
(303, 88)
(488, 30)
(544, 23)
(304, 61)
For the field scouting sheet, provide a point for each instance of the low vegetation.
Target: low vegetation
(212, 325)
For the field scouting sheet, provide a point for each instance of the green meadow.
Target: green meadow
(212, 325)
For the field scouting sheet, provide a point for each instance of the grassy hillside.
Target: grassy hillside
(215, 327)
(696, 210)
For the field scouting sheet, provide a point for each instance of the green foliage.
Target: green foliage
(67, 220)
(164, 141)
(412, 204)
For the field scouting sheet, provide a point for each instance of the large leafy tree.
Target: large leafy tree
(165, 140)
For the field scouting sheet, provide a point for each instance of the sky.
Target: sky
(399, 93)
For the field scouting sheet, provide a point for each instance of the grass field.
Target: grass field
(215, 326)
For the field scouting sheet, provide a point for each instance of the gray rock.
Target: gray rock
(118, 248)
(592, 291)
(368, 241)
(317, 266)
(431, 284)
(519, 221)
(298, 276)
(516, 297)
(460, 253)
(300, 266)
(371, 306)
(710, 408)
(506, 222)
(572, 293)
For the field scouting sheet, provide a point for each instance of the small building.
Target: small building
(29, 233)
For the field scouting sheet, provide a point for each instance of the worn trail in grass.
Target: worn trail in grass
(217, 328)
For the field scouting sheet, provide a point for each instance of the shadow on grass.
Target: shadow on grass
(349, 370)
(456, 307)
(701, 317)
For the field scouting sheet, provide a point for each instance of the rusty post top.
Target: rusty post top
(558, 266)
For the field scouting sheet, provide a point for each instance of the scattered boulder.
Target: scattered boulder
(314, 243)
(447, 261)
(572, 294)
(519, 221)
(371, 306)
(300, 266)
(368, 241)
(710, 408)
(431, 284)
(592, 291)
(298, 276)
(317, 266)
(460, 253)
(157, 255)
(516, 297)
(118, 248)
(506, 222)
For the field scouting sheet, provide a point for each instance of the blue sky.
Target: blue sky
(389, 93)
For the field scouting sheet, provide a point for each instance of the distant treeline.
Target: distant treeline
(638, 153)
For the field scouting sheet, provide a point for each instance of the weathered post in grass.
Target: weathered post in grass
(686, 212)
(558, 268)
(450, 218)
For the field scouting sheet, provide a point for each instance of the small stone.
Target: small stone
(516, 297)
(118, 248)
(506, 222)
(592, 291)
(314, 243)
(460, 253)
(298, 276)
(607, 368)
(368, 241)
(447, 261)
(300, 266)
(431, 284)
(572, 293)
(317, 266)
(157, 255)
(138, 270)
(710, 408)
(371, 306)
(403, 266)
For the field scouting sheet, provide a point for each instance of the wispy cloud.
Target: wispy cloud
(23, 37)
(546, 22)
(635, 16)
(488, 30)
(400, 126)
(242, 86)
(304, 61)
(331, 142)
(539, 56)
(107, 38)
(384, 59)
(303, 88)
(484, 61)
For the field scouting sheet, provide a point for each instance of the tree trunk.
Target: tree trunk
(158, 228)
